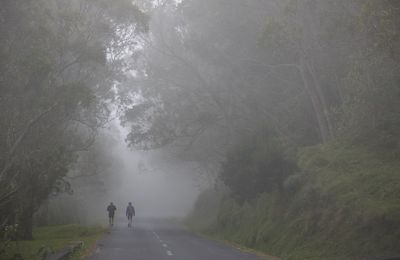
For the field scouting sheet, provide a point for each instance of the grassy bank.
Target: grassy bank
(52, 239)
(345, 205)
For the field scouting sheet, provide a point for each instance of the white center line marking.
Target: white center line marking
(164, 245)
(169, 253)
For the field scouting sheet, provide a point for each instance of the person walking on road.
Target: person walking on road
(130, 212)
(111, 211)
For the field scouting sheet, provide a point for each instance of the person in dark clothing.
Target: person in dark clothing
(130, 212)
(111, 211)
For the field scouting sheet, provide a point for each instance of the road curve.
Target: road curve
(158, 240)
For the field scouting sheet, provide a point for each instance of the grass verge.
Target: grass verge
(52, 239)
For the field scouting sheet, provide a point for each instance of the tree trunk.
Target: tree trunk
(321, 96)
(309, 51)
(315, 100)
(25, 223)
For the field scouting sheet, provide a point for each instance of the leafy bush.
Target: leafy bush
(346, 208)
(256, 165)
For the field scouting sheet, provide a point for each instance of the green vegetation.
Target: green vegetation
(55, 82)
(289, 107)
(324, 182)
(52, 239)
(345, 205)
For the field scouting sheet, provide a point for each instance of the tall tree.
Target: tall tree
(59, 62)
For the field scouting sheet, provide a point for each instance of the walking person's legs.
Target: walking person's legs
(129, 220)
(111, 219)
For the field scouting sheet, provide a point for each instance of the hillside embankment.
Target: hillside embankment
(343, 204)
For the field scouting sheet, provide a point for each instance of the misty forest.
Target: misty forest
(271, 125)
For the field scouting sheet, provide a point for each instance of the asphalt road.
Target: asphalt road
(159, 240)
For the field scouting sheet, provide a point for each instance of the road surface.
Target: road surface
(159, 240)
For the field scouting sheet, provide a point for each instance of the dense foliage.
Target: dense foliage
(344, 205)
(216, 75)
(256, 166)
(309, 71)
(241, 88)
(58, 63)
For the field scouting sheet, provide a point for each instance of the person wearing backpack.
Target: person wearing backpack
(130, 212)
(111, 212)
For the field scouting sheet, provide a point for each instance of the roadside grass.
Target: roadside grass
(50, 239)
(345, 205)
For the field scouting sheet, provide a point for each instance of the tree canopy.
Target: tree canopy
(59, 63)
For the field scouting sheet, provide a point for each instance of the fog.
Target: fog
(156, 186)
(158, 183)
(203, 110)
